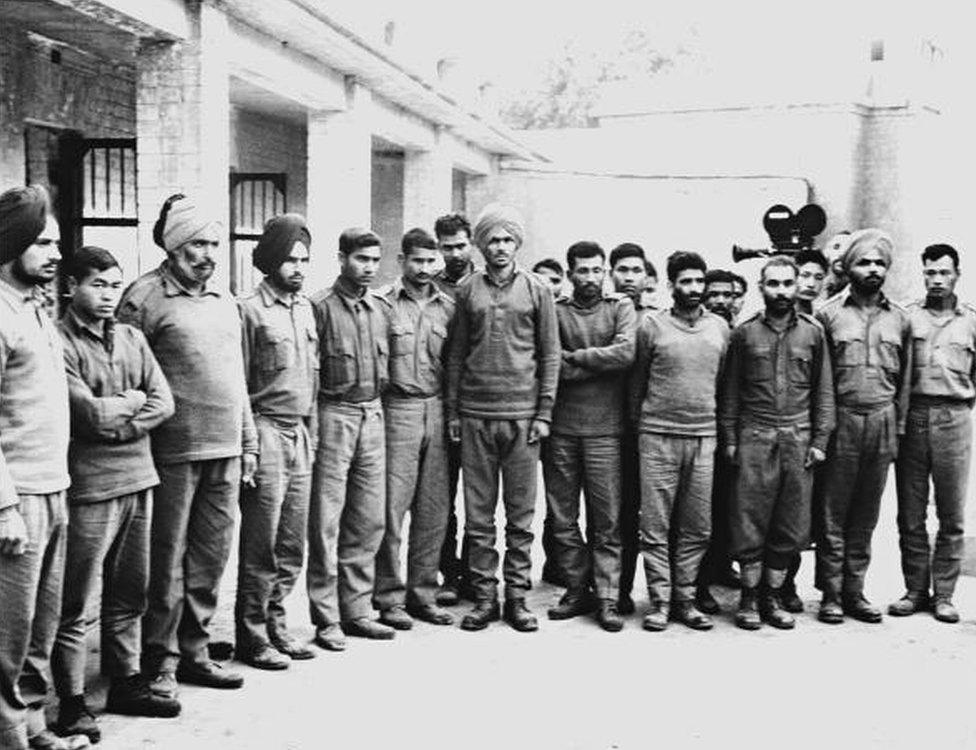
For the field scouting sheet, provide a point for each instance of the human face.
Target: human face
(586, 276)
(739, 298)
(778, 287)
(360, 265)
(810, 281)
(650, 284)
(867, 273)
(553, 279)
(940, 277)
(97, 295)
(290, 275)
(456, 252)
(719, 298)
(419, 265)
(500, 249)
(688, 288)
(38, 264)
(628, 276)
(194, 261)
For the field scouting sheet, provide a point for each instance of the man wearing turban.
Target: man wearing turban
(34, 425)
(503, 368)
(871, 350)
(280, 362)
(203, 453)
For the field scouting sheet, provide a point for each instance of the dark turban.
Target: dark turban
(23, 213)
(279, 237)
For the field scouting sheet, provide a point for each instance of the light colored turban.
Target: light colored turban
(187, 219)
(863, 241)
(498, 216)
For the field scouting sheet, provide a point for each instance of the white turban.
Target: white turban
(498, 216)
(865, 240)
(186, 220)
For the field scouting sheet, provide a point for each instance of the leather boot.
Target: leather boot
(608, 617)
(520, 617)
(573, 603)
(483, 613)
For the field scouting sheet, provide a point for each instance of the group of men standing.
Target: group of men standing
(133, 429)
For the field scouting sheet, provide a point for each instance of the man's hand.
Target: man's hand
(454, 430)
(249, 465)
(815, 457)
(731, 453)
(136, 398)
(13, 532)
(538, 430)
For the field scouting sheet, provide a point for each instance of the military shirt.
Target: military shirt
(943, 352)
(418, 338)
(450, 287)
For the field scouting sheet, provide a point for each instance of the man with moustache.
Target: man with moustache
(628, 271)
(503, 369)
(348, 506)
(281, 360)
(203, 453)
(938, 437)
(870, 340)
(776, 413)
(34, 434)
(672, 402)
(596, 332)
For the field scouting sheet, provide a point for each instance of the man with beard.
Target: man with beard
(719, 295)
(34, 435)
(416, 461)
(672, 402)
(776, 413)
(938, 438)
(280, 361)
(870, 340)
(203, 453)
(596, 332)
(503, 368)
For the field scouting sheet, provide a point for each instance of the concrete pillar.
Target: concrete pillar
(339, 166)
(427, 185)
(182, 111)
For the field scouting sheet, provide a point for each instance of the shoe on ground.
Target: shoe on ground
(772, 612)
(656, 618)
(688, 614)
(447, 595)
(363, 627)
(430, 613)
(396, 617)
(608, 617)
(706, 602)
(520, 617)
(331, 638)
(131, 696)
(830, 612)
(208, 674)
(861, 609)
(791, 600)
(265, 656)
(910, 603)
(75, 718)
(484, 612)
(48, 740)
(944, 611)
(163, 685)
(625, 605)
(292, 647)
(572, 604)
(747, 616)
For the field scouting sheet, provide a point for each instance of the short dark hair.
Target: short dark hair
(718, 276)
(683, 260)
(90, 259)
(812, 256)
(741, 280)
(450, 224)
(627, 250)
(941, 250)
(551, 263)
(160, 226)
(415, 238)
(355, 238)
(779, 261)
(649, 269)
(583, 249)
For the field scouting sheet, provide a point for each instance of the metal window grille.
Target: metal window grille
(255, 197)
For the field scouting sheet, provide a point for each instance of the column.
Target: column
(427, 185)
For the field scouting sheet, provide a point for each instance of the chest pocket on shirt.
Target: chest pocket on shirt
(435, 342)
(274, 349)
(401, 341)
(889, 351)
(799, 366)
(849, 349)
(760, 365)
(959, 354)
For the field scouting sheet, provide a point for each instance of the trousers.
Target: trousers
(629, 518)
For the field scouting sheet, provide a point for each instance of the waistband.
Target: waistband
(925, 402)
(758, 420)
(865, 410)
(397, 400)
(282, 422)
(352, 407)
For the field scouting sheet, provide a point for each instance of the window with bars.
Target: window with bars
(255, 197)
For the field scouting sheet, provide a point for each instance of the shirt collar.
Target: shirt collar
(763, 316)
(172, 287)
(959, 308)
(20, 296)
(349, 294)
(399, 289)
(508, 282)
(270, 295)
(81, 326)
(848, 299)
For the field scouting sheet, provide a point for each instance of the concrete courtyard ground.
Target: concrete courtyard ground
(902, 684)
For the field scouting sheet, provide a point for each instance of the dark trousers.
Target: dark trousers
(108, 546)
(855, 474)
(771, 503)
(416, 481)
(348, 511)
(676, 511)
(629, 520)
(718, 556)
(493, 449)
(590, 465)
(454, 561)
(190, 542)
(937, 444)
(274, 523)
(30, 609)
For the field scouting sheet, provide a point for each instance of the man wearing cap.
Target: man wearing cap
(503, 368)
(203, 453)
(348, 506)
(870, 343)
(416, 476)
(34, 425)
(281, 361)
